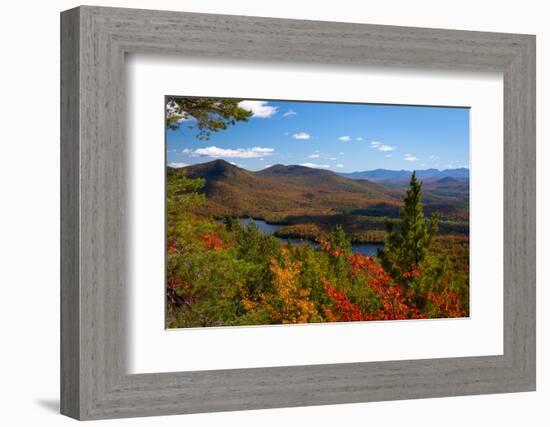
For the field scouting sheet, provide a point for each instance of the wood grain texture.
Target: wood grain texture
(70, 220)
(94, 235)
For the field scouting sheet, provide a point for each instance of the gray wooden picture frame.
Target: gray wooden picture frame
(94, 41)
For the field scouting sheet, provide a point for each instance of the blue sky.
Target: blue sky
(334, 136)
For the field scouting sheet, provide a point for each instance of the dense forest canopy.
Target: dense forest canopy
(224, 273)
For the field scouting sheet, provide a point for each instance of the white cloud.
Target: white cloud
(410, 158)
(259, 109)
(332, 158)
(388, 155)
(315, 165)
(359, 138)
(290, 113)
(314, 156)
(301, 135)
(339, 165)
(380, 146)
(177, 165)
(237, 153)
(186, 151)
(341, 153)
(344, 138)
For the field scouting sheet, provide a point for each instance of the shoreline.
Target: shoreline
(291, 235)
(352, 241)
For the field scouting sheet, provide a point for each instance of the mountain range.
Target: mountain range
(282, 191)
(400, 176)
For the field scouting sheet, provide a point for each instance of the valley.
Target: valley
(308, 203)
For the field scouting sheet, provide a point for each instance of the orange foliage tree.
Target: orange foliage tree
(288, 302)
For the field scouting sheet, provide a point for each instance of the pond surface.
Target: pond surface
(367, 249)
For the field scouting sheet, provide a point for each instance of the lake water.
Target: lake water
(367, 249)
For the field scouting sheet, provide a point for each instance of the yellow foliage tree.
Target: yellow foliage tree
(288, 303)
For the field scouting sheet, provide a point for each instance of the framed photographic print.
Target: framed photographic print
(261, 213)
(332, 236)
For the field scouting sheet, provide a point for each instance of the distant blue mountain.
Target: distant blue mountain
(396, 176)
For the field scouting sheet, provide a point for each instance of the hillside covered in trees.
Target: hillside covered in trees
(309, 202)
(222, 273)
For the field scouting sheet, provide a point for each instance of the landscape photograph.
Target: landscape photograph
(295, 212)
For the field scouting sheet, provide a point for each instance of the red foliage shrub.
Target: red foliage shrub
(394, 302)
(212, 241)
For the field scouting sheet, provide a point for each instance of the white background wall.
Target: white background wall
(29, 212)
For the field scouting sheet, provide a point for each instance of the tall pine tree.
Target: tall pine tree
(407, 243)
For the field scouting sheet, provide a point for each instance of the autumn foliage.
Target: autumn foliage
(394, 302)
(225, 273)
(288, 302)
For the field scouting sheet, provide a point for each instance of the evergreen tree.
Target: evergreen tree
(338, 239)
(340, 244)
(182, 194)
(407, 243)
(206, 114)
